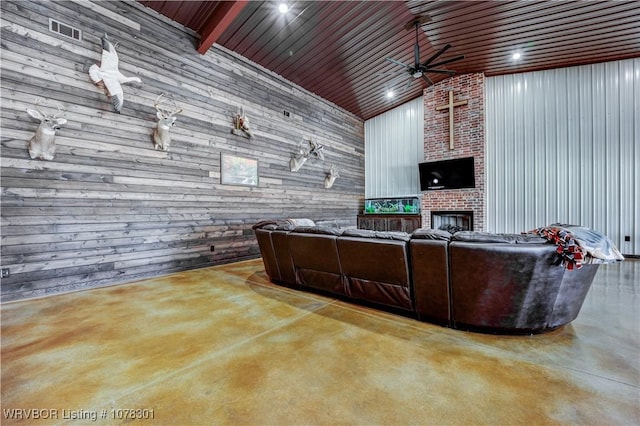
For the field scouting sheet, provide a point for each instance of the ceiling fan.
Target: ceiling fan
(420, 69)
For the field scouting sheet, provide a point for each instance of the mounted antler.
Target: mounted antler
(241, 124)
(314, 149)
(331, 177)
(42, 145)
(166, 114)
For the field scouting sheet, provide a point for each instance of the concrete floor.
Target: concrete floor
(222, 345)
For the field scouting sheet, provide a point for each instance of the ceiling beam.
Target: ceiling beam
(218, 22)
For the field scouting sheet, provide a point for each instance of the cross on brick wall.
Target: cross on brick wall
(450, 107)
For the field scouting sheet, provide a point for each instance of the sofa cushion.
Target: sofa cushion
(284, 226)
(487, 237)
(328, 223)
(290, 224)
(325, 230)
(376, 269)
(315, 259)
(530, 239)
(264, 223)
(383, 235)
(280, 241)
(431, 234)
(300, 222)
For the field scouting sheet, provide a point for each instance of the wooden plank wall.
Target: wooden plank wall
(109, 208)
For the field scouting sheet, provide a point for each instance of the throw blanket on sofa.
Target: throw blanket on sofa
(578, 245)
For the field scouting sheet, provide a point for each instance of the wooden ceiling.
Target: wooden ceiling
(337, 49)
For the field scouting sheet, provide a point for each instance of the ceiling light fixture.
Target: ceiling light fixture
(516, 56)
(283, 8)
(390, 94)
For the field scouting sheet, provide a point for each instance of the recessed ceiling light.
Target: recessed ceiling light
(390, 94)
(516, 56)
(283, 8)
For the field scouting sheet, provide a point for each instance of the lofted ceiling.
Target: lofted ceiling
(337, 49)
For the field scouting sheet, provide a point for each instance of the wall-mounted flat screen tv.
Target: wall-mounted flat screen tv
(447, 174)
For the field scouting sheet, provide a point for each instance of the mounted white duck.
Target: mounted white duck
(109, 75)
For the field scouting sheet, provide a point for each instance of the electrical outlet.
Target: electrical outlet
(5, 273)
(627, 238)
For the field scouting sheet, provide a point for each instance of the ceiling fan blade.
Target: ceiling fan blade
(435, 55)
(457, 58)
(397, 62)
(427, 79)
(437, 71)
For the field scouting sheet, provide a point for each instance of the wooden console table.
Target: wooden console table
(390, 222)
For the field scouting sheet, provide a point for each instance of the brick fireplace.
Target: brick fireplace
(460, 220)
(469, 141)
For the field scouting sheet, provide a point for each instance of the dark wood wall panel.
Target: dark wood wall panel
(109, 208)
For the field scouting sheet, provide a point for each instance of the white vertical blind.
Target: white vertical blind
(564, 146)
(394, 145)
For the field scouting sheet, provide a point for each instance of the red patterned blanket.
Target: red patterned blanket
(578, 245)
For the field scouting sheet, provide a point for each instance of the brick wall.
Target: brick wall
(468, 142)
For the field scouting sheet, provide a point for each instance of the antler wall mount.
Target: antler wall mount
(312, 149)
(42, 145)
(241, 124)
(166, 112)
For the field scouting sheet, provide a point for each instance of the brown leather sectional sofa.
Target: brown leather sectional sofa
(495, 283)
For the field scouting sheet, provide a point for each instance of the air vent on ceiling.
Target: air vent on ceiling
(64, 29)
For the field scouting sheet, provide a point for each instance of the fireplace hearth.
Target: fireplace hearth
(452, 220)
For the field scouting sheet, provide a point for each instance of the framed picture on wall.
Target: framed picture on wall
(238, 171)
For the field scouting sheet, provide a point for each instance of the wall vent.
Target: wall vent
(64, 29)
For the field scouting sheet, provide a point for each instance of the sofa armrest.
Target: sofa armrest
(503, 287)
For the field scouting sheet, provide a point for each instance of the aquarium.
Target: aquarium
(407, 205)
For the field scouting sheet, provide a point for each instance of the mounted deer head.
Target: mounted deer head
(166, 113)
(42, 145)
(314, 150)
(331, 177)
